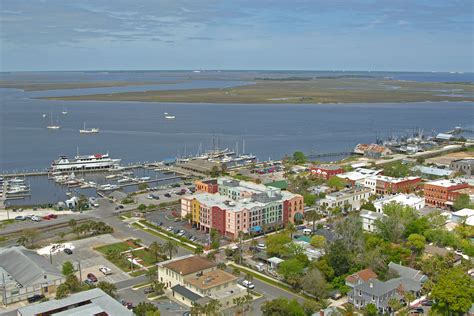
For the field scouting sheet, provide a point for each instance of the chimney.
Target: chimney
(321, 312)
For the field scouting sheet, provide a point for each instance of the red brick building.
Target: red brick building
(326, 171)
(442, 193)
(209, 186)
(389, 185)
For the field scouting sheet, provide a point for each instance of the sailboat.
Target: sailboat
(52, 126)
(64, 112)
(85, 130)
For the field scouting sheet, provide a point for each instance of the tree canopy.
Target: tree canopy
(454, 292)
(282, 307)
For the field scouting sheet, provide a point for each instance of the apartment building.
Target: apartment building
(240, 206)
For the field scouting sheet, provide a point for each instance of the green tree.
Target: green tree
(392, 226)
(68, 268)
(142, 207)
(299, 157)
(339, 257)
(108, 288)
(315, 284)
(291, 229)
(62, 291)
(318, 241)
(275, 244)
(462, 201)
(221, 265)
(30, 234)
(368, 206)
(72, 223)
(454, 292)
(416, 243)
(153, 313)
(143, 307)
(336, 183)
(215, 172)
(291, 270)
(370, 310)
(143, 186)
(170, 247)
(282, 307)
(312, 216)
(212, 307)
(156, 249)
(396, 169)
(198, 250)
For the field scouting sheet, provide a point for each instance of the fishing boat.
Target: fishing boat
(85, 130)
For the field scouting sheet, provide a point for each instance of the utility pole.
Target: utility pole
(51, 255)
(4, 290)
(80, 271)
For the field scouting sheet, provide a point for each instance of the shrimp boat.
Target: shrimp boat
(93, 130)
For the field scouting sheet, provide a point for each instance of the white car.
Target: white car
(248, 284)
(105, 270)
(35, 218)
(261, 247)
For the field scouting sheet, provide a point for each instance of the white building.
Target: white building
(349, 199)
(466, 214)
(368, 219)
(358, 176)
(410, 200)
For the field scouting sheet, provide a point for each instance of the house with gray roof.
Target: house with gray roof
(91, 302)
(374, 291)
(24, 273)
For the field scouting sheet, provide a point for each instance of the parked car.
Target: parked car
(35, 298)
(67, 251)
(148, 290)
(92, 277)
(417, 310)
(20, 218)
(167, 195)
(129, 305)
(261, 246)
(427, 303)
(53, 216)
(105, 270)
(88, 282)
(248, 284)
(35, 218)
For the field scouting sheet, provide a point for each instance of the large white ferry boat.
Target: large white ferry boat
(84, 162)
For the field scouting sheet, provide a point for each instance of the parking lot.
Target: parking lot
(89, 260)
(168, 194)
(166, 218)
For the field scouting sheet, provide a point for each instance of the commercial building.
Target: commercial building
(466, 166)
(373, 291)
(368, 219)
(325, 171)
(442, 193)
(358, 176)
(241, 206)
(389, 185)
(24, 273)
(410, 200)
(348, 199)
(433, 172)
(194, 279)
(209, 186)
(91, 302)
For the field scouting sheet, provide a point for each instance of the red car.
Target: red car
(53, 216)
(92, 277)
(46, 217)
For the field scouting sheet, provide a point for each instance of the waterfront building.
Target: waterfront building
(24, 274)
(372, 150)
(465, 166)
(325, 171)
(389, 185)
(196, 280)
(241, 206)
(410, 200)
(348, 199)
(442, 193)
(90, 302)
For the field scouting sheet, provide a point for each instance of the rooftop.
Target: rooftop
(433, 171)
(211, 279)
(370, 215)
(190, 295)
(189, 265)
(405, 199)
(92, 302)
(392, 179)
(363, 275)
(445, 183)
(327, 167)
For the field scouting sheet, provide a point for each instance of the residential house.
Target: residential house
(368, 219)
(194, 279)
(359, 277)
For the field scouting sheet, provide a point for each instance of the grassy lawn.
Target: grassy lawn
(148, 259)
(120, 246)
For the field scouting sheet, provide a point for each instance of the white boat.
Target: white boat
(170, 117)
(144, 178)
(124, 180)
(52, 125)
(116, 168)
(93, 130)
(64, 112)
(111, 176)
(84, 162)
(44, 115)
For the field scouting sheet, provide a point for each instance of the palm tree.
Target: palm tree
(151, 275)
(171, 247)
(394, 305)
(239, 302)
(313, 216)
(156, 248)
(213, 307)
(346, 310)
(291, 229)
(197, 309)
(198, 250)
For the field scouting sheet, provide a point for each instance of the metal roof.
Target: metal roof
(190, 295)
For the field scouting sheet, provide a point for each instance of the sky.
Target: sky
(392, 35)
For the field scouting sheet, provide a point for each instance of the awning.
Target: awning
(256, 228)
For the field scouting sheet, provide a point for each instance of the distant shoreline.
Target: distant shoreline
(318, 91)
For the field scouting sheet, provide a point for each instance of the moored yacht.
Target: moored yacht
(84, 162)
